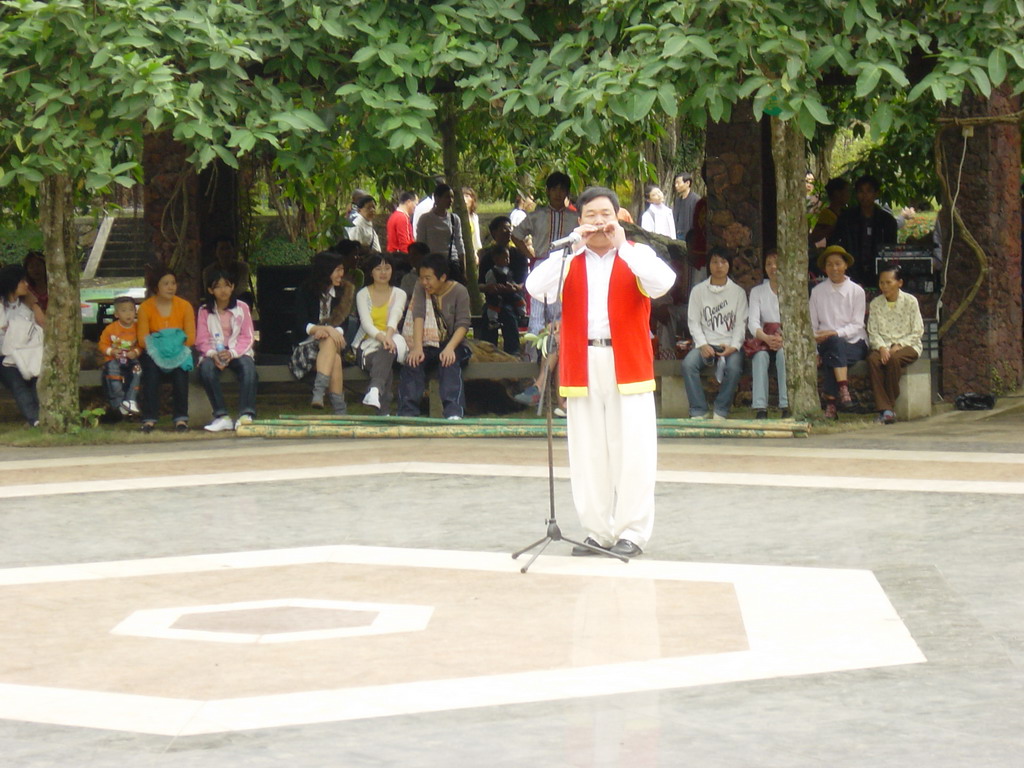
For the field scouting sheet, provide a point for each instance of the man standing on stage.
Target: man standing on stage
(607, 373)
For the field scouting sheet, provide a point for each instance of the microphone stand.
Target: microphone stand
(553, 532)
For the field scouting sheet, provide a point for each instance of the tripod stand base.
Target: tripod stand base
(554, 533)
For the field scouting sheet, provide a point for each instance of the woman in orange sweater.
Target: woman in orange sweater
(166, 331)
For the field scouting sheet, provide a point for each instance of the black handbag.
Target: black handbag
(972, 401)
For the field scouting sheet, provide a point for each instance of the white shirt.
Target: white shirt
(655, 276)
(839, 308)
(764, 307)
(659, 220)
(424, 205)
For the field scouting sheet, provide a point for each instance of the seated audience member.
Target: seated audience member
(21, 341)
(864, 229)
(505, 305)
(417, 252)
(323, 305)
(224, 339)
(399, 226)
(362, 230)
(837, 320)
(167, 331)
(441, 320)
(378, 343)
(658, 217)
(441, 229)
(122, 371)
(717, 316)
(765, 324)
(895, 330)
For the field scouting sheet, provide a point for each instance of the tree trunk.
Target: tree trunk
(450, 159)
(58, 383)
(788, 152)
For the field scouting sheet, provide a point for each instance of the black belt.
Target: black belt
(599, 342)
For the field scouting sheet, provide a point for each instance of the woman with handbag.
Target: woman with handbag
(441, 230)
(765, 324)
(21, 341)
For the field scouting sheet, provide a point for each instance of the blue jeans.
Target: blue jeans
(760, 364)
(152, 376)
(24, 392)
(693, 364)
(838, 353)
(413, 381)
(121, 382)
(245, 369)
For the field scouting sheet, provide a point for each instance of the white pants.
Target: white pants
(613, 456)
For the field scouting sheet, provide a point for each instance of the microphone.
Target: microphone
(566, 242)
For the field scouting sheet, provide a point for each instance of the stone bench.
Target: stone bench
(667, 372)
(914, 402)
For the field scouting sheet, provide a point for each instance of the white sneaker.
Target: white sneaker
(220, 424)
(372, 398)
(559, 412)
(454, 418)
(133, 407)
(719, 417)
(245, 418)
(124, 409)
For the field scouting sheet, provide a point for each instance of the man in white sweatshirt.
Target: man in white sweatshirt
(717, 315)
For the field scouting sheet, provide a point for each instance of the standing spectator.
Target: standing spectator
(441, 320)
(378, 344)
(469, 196)
(684, 204)
(863, 230)
(441, 229)
(717, 316)
(524, 204)
(224, 339)
(21, 322)
(658, 217)
(547, 223)
(765, 324)
(323, 305)
(399, 228)
(425, 204)
(362, 230)
(122, 371)
(167, 331)
(837, 320)
(895, 330)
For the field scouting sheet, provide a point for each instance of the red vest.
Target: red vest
(629, 316)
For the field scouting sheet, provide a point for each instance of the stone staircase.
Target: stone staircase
(127, 250)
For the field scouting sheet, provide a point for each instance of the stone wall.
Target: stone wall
(982, 351)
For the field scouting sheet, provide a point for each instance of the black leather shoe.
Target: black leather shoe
(579, 551)
(761, 414)
(626, 548)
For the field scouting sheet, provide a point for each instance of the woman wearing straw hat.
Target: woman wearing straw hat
(837, 319)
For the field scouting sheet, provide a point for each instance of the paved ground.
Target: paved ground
(845, 600)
